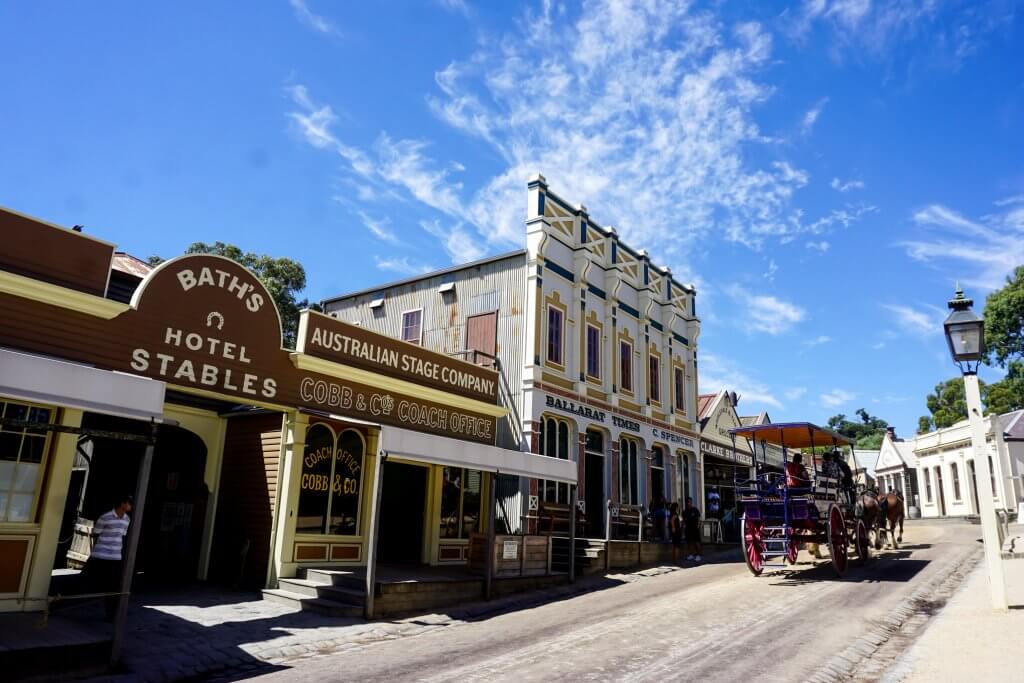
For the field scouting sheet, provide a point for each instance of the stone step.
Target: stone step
(314, 589)
(328, 608)
(335, 577)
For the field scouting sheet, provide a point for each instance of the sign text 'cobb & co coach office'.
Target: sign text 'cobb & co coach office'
(207, 324)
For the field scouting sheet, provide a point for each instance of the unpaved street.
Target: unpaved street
(714, 622)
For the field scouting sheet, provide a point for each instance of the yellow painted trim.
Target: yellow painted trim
(55, 295)
(401, 386)
(595, 394)
(556, 380)
(227, 398)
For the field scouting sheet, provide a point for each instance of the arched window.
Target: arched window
(331, 483)
(554, 443)
(927, 484)
(954, 474)
(629, 483)
(684, 478)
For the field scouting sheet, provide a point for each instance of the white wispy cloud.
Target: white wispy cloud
(402, 265)
(878, 345)
(717, 373)
(916, 321)
(764, 313)
(836, 397)
(459, 6)
(840, 186)
(379, 228)
(461, 245)
(795, 393)
(818, 341)
(662, 150)
(313, 21)
(811, 116)
(985, 250)
(862, 29)
(773, 268)
(821, 246)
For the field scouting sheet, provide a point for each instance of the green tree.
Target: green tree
(948, 404)
(867, 434)
(1007, 394)
(924, 424)
(1004, 320)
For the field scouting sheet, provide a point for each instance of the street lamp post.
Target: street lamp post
(965, 334)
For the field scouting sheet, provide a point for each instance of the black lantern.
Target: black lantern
(965, 333)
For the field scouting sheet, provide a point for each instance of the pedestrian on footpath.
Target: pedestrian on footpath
(691, 519)
(675, 523)
(102, 572)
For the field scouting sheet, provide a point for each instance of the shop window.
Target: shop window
(22, 454)
(626, 366)
(629, 483)
(460, 502)
(593, 352)
(680, 397)
(412, 326)
(554, 443)
(657, 473)
(332, 469)
(655, 377)
(555, 335)
(684, 478)
(954, 472)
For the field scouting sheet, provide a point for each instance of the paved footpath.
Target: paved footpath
(714, 622)
(968, 640)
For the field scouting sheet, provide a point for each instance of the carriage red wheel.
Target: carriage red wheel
(862, 542)
(792, 548)
(837, 539)
(751, 531)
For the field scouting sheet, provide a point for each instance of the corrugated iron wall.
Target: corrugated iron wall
(498, 285)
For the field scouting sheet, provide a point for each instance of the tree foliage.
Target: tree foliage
(1004, 320)
(867, 433)
(948, 405)
(1007, 394)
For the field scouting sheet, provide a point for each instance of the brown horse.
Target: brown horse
(869, 509)
(892, 511)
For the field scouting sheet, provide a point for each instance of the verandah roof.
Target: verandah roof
(792, 435)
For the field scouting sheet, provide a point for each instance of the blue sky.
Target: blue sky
(823, 171)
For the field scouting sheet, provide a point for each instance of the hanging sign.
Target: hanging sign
(205, 323)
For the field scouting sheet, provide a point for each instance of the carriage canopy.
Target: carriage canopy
(792, 435)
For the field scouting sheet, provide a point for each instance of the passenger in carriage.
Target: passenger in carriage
(796, 473)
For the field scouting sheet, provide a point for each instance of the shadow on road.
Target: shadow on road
(892, 567)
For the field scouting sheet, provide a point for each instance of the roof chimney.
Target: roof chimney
(891, 432)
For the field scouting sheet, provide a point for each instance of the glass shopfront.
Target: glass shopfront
(461, 502)
(332, 478)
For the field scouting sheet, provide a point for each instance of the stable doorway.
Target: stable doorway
(403, 502)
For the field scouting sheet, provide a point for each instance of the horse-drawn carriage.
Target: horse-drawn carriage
(782, 511)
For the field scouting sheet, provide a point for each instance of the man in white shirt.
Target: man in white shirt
(102, 573)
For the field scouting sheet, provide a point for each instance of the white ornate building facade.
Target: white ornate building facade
(597, 345)
(946, 476)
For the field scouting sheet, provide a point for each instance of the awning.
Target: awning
(55, 382)
(440, 450)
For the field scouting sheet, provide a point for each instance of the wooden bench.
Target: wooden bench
(555, 519)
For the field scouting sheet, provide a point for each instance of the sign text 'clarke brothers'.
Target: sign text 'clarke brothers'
(340, 342)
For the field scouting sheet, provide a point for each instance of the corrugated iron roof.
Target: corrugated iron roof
(133, 265)
(703, 403)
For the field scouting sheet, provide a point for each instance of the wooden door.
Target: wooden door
(482, 335)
